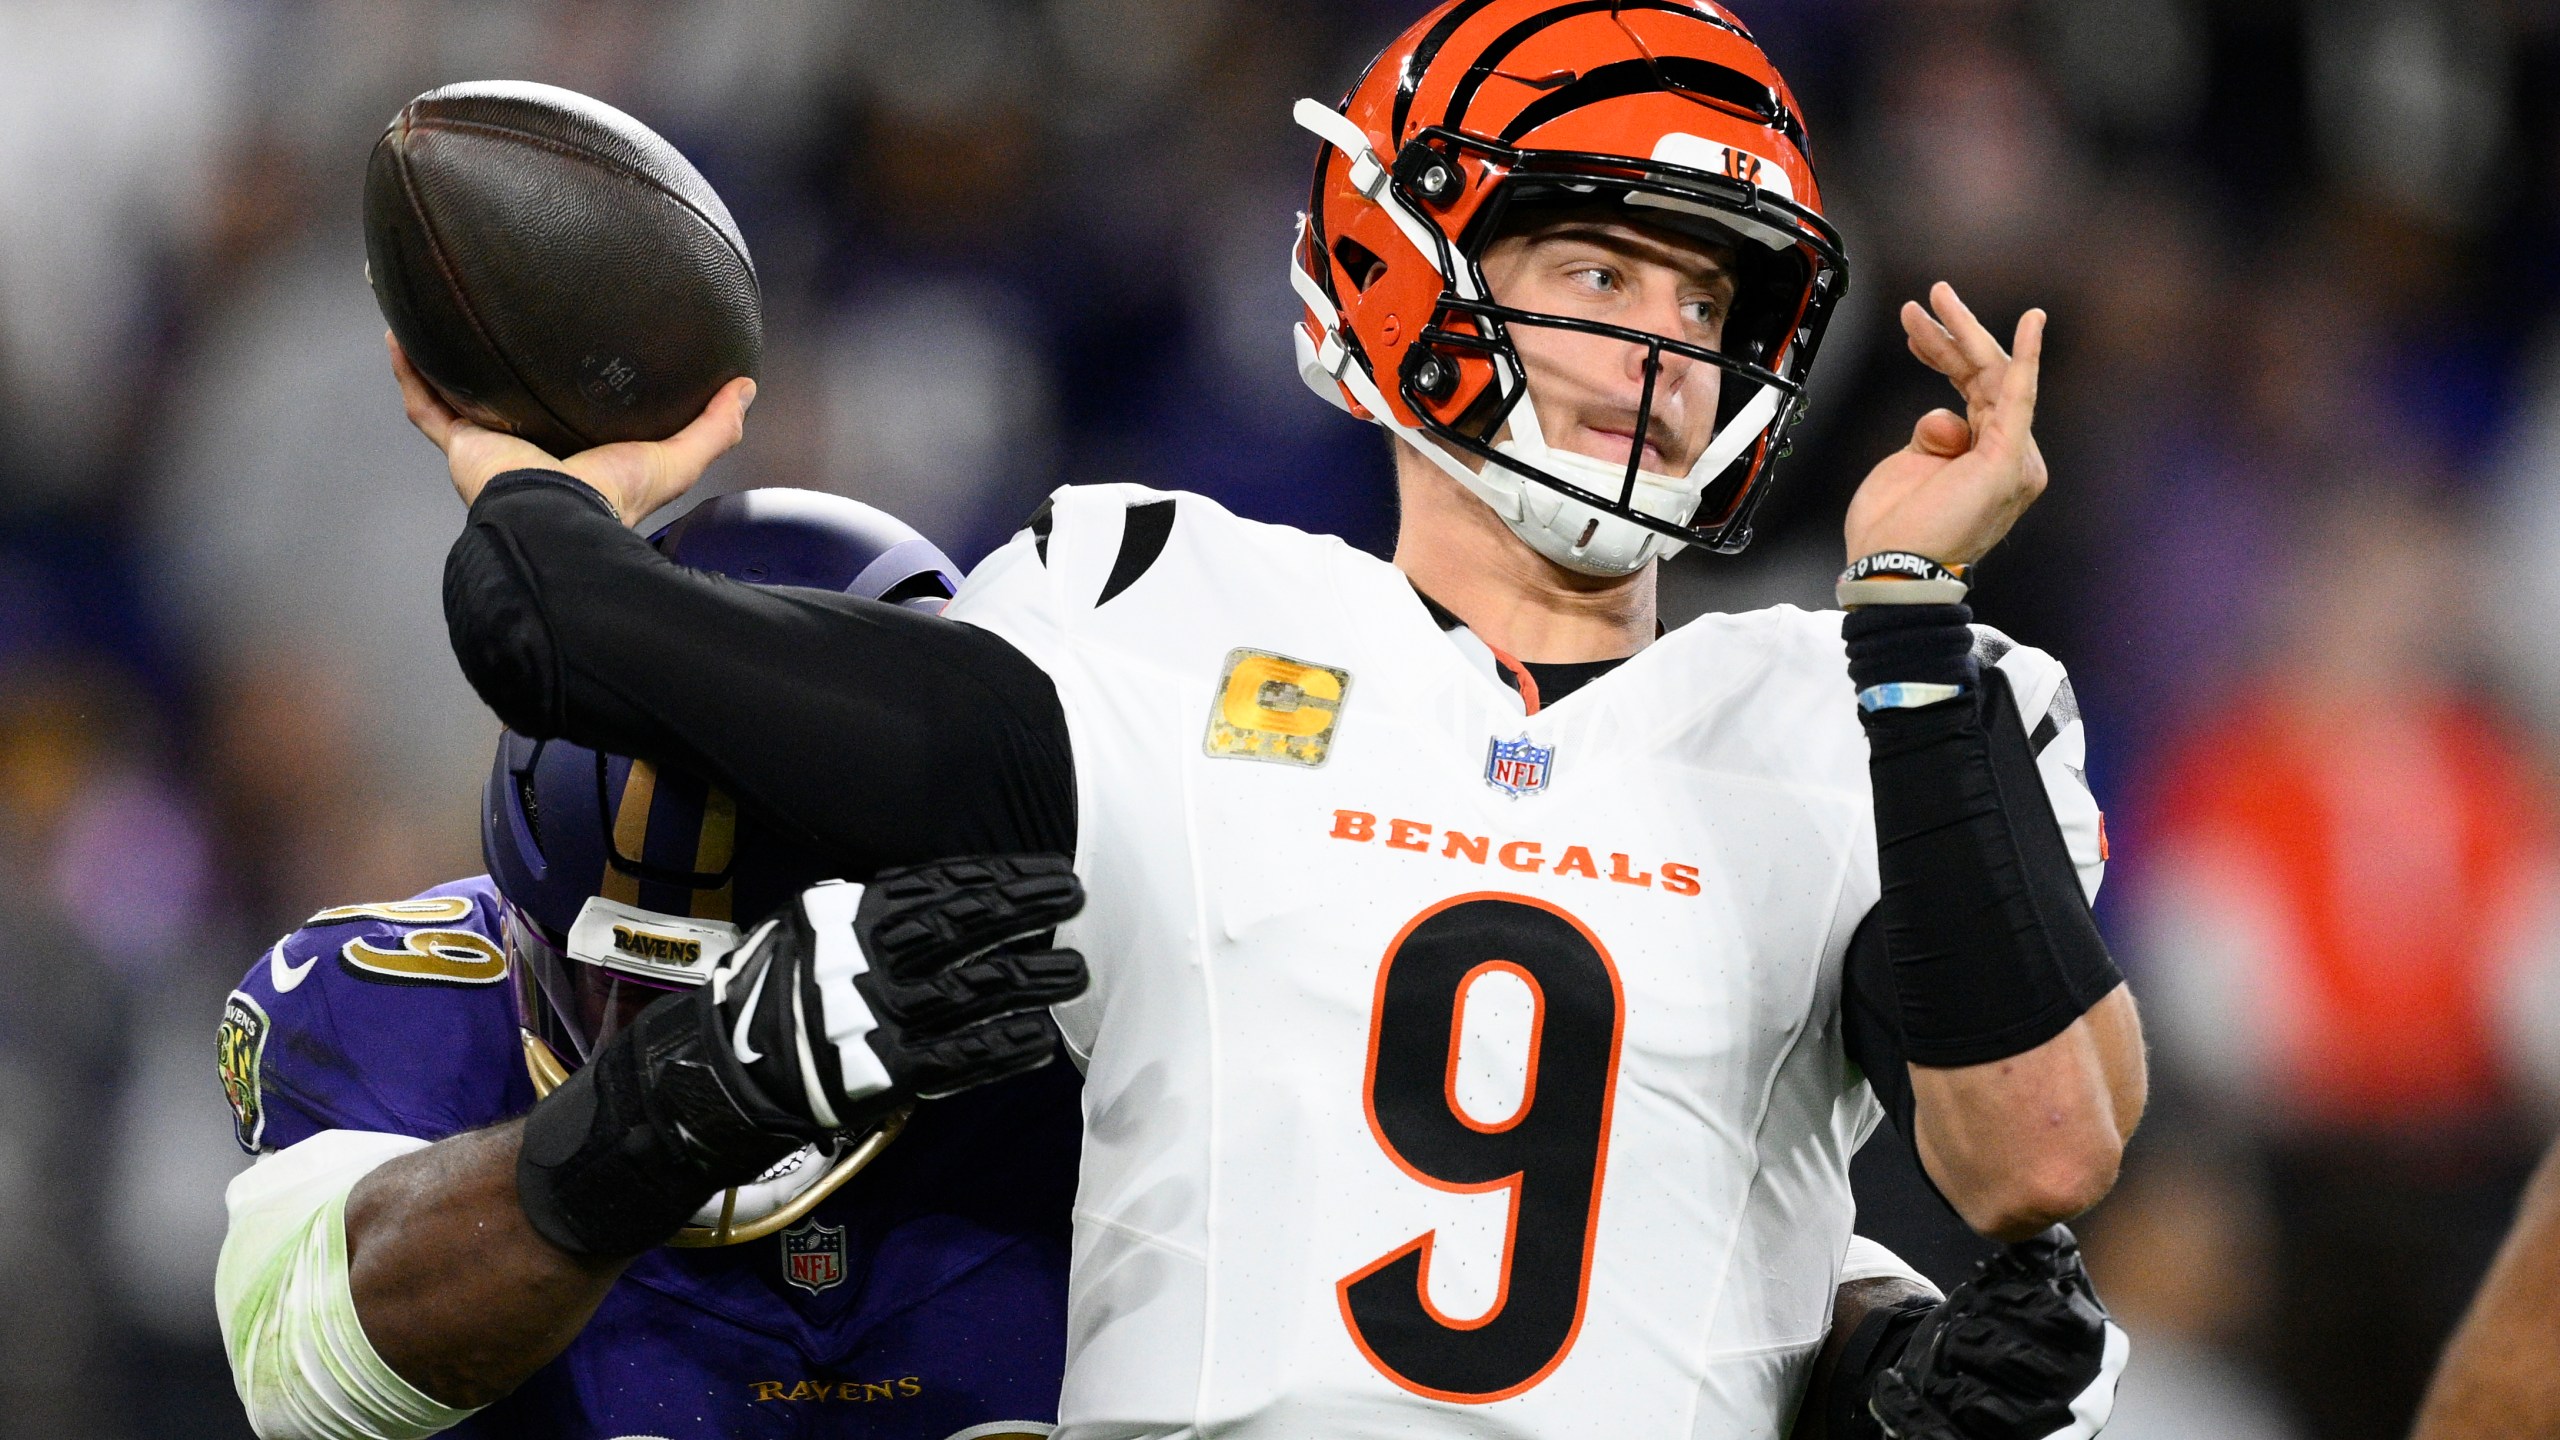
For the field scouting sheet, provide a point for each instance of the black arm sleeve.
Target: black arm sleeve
(879, 734)
(1871, 1023)
(1991, 945)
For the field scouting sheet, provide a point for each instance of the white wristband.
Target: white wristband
(1905, 695)
(1899, 577)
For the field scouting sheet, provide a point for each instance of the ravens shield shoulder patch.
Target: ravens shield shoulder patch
(239, 1044)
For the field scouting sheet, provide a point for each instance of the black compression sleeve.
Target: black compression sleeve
(885, 736)
(1992, 945)
(1871, 1022)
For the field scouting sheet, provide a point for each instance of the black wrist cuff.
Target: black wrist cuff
(1991, 942)
(617, 1159)
(1910, 645)
(1879, 1340)
(512, 481)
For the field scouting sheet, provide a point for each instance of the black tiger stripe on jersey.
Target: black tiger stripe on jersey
(1041, 520)
(1989, 647)
(2062, 712)
(1143, 533)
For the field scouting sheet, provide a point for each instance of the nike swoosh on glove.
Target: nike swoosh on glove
(854, 1001)
(859, 998)
(2021, 1351)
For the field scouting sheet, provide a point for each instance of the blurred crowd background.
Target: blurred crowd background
(2301, 550)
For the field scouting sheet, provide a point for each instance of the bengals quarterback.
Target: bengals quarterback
(1488, 990)
(382, 1280)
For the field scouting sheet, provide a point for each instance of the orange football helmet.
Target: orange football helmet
(1488, 108)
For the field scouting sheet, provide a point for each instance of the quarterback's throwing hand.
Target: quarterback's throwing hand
(1955, 490)
(2022, 1351)
(637, 476)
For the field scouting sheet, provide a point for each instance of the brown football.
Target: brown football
(554, 267)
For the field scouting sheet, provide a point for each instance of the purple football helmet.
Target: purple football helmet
(623, 881)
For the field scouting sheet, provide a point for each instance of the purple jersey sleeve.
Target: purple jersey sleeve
(924, 1300)
(392, 1017)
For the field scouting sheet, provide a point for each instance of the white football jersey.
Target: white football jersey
(1450, 1070)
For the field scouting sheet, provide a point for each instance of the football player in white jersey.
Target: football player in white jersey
(1488, 990)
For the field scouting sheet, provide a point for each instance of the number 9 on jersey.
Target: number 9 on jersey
(1549, 1153)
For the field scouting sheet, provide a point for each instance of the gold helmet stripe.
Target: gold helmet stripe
(631, 831)
(713, 853)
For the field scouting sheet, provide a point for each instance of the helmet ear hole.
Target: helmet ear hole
(1359, 262)
(924, 585)
(529, 801)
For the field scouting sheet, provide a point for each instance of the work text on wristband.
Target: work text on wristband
(1899, 577)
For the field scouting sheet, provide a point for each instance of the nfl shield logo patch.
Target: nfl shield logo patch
(813, 1256)
(1517, 768)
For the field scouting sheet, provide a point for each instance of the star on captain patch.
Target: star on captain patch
(1270, 707)
(813, 1256)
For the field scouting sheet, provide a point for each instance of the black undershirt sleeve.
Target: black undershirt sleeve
(1992, 945)
(882, 735)
(1983, 945)
(1871, 1022)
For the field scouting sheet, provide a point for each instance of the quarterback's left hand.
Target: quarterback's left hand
(1955, 490)
(2022, 1351)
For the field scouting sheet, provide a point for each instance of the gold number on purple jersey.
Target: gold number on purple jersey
(425, 910)
(1549, 1154)
(429, 957)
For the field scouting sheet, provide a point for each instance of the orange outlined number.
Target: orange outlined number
(1550, 1155)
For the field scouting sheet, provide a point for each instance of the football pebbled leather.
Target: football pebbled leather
(554, 268)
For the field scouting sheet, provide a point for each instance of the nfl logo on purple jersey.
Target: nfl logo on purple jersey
(813, 1256)
(1517, 768)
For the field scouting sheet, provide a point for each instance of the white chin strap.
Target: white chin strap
(1582, 537)
(1578, 536)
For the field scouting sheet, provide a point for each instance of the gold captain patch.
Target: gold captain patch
(1270, 707)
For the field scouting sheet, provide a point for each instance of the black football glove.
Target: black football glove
(2021, 1351)
(860, 998)
(857, 999)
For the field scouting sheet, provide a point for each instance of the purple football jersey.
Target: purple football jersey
(924, 1299)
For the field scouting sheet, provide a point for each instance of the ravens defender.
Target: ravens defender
(1489, 989)
(924, 1300)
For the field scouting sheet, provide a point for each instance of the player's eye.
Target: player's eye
(1599, 279)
